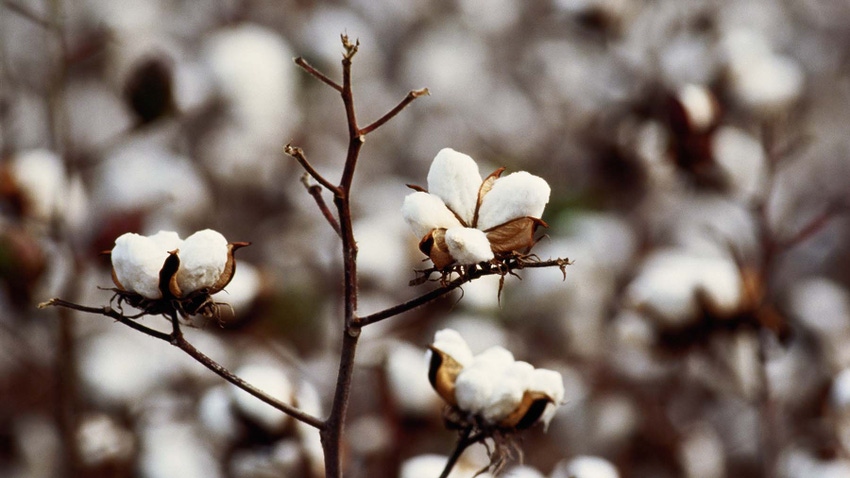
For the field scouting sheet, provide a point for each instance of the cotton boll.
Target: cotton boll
(175, 449)
(272, 380)
(101, 439)
(700, 106)
(468, 245)
(743, 159)
(203, 256)
(585, 467)
(423, 465)
(424, 212)
(137, 261)
(474, 388)
(507, 391)
(407, 374)
(822, 305)
(452, 344)
(454, 178)
(551, 383)
(670, 281)
(215, 413)
(523, 471)
(41, 176)
(513, 196)
(702, 453)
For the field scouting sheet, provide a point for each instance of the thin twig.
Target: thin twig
(316, 191)
(462, 444)
(412, 95)
(176, 338)
(27, 13)
(318, 74)
(299, 156)
(445, 289)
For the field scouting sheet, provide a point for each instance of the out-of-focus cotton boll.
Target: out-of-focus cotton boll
(453, 63)
(271, 379)
(523, 471)
(701, 108)
(283, 459)
(135, 15)
(175, 449)
(308, 400)
(101, 439)
(840, 392)
(147, 177)
(743, 159)
(702, 454)
(433, 465)
(610, 239)
(121, 367)
(707, 224)
(585, 467)
(760, 78)
(95, 114)
(670, 284)
(795, 462)
(40, 174)
(480, 330)
(822, 305)
(254, 73)
(687, 59)
(215, 413)
(407, 374)
(382, 242)
(488, 16)
(244, 288)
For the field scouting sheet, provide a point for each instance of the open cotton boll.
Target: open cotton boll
(452, 344)
(507, 392)
(425, 212)
(514, 196)
(455, 179)
(474, 387)
(272, 380)
(468, 245)
(203, 256)
(137, 261)
(551, 383)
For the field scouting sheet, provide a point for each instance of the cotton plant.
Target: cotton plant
(465, 223)
(465, 220)
(160, 271)
(490, 395)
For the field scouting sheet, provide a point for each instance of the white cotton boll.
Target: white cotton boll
(425, 212)
(454, 178)
(699, 105)
(203, 256)
(513, 196)
(586, 467)
(102, 439)
(523, 471)
(551, 383)
(839, 394)
(496, 356)
(669, 282)
(41, 176)
(509, 386)
(452, 344)
(743, 159)
(423, 465)
(822, 305)
(216, 414)
(272, 380)
(407, 375)
(175, 449)
(468, 245)
(474, 387)
(246, 285)
(137, 261)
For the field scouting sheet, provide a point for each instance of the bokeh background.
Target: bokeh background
(698, 158)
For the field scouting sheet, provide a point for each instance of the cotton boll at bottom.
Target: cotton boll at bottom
(272, 380)
(432, 465)
(175, 449)
(474, 388)
(585, 467)
(101, 440)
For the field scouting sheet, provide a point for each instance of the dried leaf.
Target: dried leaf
(485, 188)
(514, 236)
(529, 410)
(442, 373)
(434, 246)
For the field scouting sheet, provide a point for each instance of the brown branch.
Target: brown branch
(318, 74)
(299, 156)
(412, 95)
(469, 276)
(463, 442)
(316, 191)
(176, 338)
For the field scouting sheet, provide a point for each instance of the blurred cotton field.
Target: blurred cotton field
(698, 160)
